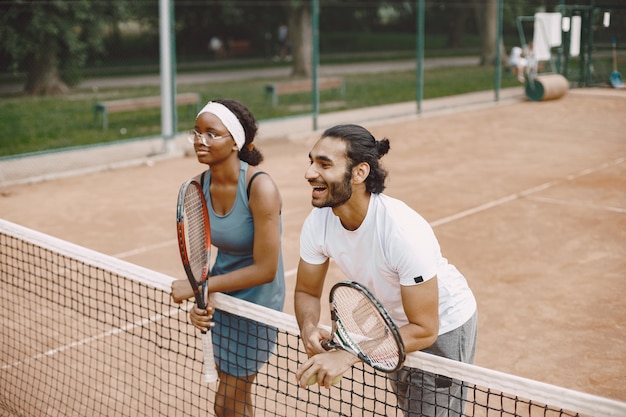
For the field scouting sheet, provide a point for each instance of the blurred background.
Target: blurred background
(60, 59)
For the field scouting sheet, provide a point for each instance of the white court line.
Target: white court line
(112, 332)
(569, 203)
(144, 249)
(148, 248)
(526, 193)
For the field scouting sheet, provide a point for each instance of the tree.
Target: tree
(300, 37)
(457, 23)
(51, 41)
(487, 19)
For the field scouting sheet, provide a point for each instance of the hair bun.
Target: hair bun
(382, 146)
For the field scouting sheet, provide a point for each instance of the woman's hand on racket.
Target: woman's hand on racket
(181, 290)
(202, 319)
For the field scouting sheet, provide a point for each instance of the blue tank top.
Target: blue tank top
(233, 236)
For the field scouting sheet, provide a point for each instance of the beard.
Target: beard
(338, 193)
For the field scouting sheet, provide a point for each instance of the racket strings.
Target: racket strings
(362, 326)
(369, 321)
(195, 236)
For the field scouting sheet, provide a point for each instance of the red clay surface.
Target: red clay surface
(528, 200)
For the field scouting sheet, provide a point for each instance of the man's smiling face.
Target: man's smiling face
(329, 173)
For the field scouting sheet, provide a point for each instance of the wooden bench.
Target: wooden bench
(132, 104)
(303, 86)
(239, 48)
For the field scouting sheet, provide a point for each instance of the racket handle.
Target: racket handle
(209, 370)
(326, 344)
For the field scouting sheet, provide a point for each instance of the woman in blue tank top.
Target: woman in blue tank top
(244, 211)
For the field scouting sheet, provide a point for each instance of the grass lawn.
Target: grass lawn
(35, 124)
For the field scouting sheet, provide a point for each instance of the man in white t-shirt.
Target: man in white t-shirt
(523, 61)
(385, 245)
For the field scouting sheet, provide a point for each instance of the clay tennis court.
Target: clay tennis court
(528, 200)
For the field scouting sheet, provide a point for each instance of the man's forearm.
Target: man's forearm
(307, 308)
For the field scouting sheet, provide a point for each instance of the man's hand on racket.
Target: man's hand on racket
(312, 338)
(325, 368)
(202, 319)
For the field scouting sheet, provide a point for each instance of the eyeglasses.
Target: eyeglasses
(203, 138)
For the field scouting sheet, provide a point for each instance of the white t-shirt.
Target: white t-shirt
(394, 246)
(516, 57)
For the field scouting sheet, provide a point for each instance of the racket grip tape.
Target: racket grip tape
(209, 370)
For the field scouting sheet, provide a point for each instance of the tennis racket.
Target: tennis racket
(194, 243)
(362, 326)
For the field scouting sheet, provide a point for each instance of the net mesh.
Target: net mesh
(86, 334)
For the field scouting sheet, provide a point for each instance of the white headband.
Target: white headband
(229, 120)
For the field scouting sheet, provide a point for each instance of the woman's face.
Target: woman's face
(218, 142)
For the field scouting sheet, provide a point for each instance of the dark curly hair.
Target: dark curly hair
(362, 146)
(248, 152)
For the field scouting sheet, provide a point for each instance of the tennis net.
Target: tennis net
(87, 334)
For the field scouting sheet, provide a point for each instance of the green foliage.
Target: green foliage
(40, 123)
(31, 32)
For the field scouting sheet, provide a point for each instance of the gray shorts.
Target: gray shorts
(422, 393)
